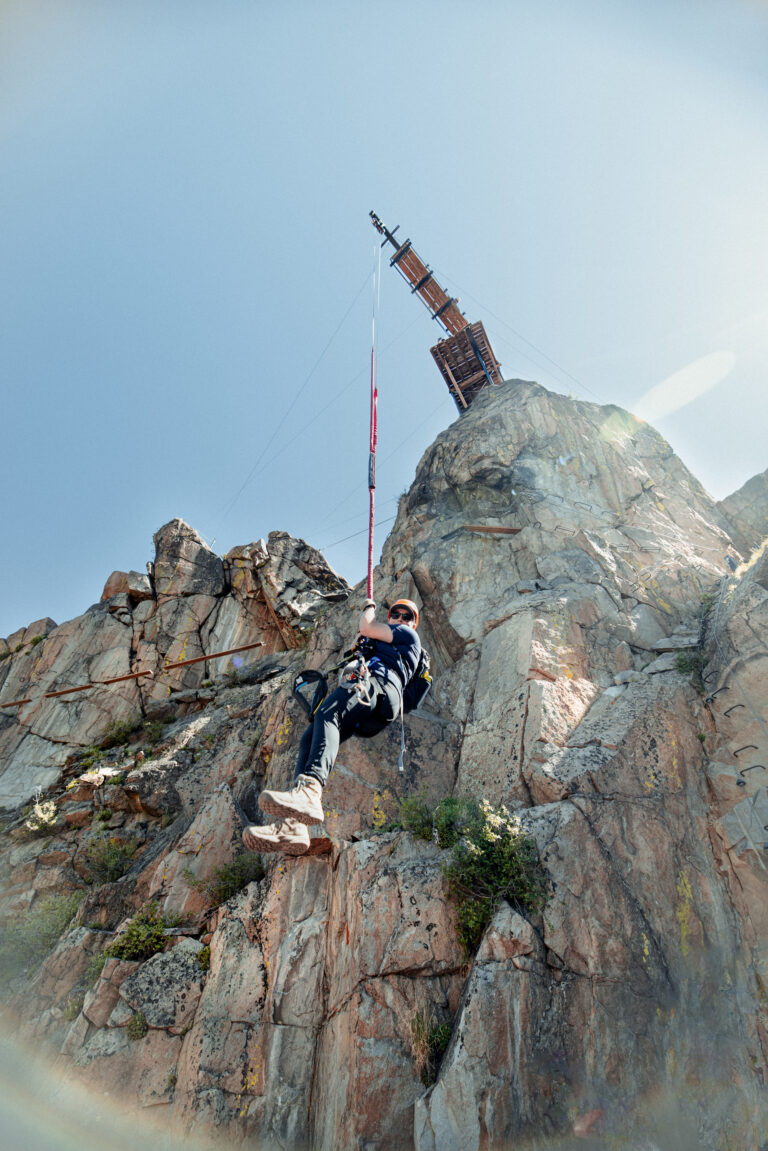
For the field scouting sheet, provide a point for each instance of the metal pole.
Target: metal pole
(372, 440)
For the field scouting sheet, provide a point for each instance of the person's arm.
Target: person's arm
(371, 628)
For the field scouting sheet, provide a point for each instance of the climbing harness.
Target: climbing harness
(310, 686)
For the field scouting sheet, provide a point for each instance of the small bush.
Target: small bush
(204, 958)
(5, 655)
(152, 732)
(109, 859)
(73, 1005)
(93, 968)
(119, 733)
(687, 662)
(89, 757)
(36, 639)
(226, 881)
(429, 1041)
(492, 859)
(25, 944)
(415, 816)
(691, 663)
(137, 1026)
(143, 937)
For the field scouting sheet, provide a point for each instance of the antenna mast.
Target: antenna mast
(465, 358)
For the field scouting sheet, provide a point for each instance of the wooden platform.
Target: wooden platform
(467, 363)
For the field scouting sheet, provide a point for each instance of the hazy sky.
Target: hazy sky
(186, 252)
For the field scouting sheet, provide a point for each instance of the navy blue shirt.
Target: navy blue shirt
(401, 656)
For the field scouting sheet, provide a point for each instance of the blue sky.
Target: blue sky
(186, 252)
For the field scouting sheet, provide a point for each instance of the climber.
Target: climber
(393, 651)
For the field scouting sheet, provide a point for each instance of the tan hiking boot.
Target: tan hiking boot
(303, 802)
(287, 835)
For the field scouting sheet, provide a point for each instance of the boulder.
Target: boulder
(135, 586)
(184, 564)
(167, 988)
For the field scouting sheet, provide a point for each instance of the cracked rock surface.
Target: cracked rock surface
(597, 670)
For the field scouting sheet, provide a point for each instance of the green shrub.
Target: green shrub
(5, 655)
(94, 967)
(415, 816)
(89, 757)
(25, 944)
(73, 1005)
(132, 730)
(226, 881)
(137, 1026)
(152, 732)
(120, 731)
(692, 663)
(143, 937)
(687, 662)
(429, 1041)
(36, 639)
(454, 817)
(204, 958)
(109, 858)
(491, 859)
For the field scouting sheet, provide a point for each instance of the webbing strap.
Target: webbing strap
(400, 766)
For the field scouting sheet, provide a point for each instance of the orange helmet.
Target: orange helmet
(411, 608)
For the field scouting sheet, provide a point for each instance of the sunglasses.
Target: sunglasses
(400, 613)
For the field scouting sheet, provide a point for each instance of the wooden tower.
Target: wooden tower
(465, 356)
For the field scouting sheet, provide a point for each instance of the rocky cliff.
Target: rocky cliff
(598, 670)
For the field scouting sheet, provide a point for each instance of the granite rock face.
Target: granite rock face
(195, 603)
(746, 513)
(597, 669)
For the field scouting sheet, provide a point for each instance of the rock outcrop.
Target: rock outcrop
(598, 670)
(746, 513)
(195, 603)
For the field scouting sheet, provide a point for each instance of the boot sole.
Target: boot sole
(268, 846)
(272, 807)
(320, 845)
